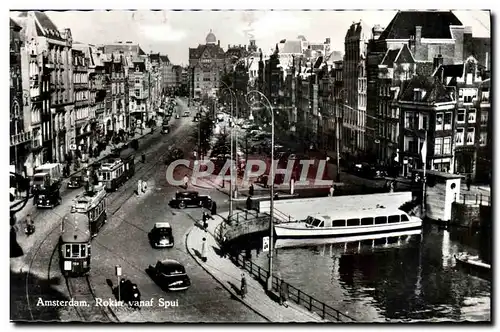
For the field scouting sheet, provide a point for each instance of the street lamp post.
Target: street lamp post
(234, 145)
(271, 219)
(337, 134)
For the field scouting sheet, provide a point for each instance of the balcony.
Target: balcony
(49, 64)
(20, 138)
(80, 68)
(81, 103)
(81, 86)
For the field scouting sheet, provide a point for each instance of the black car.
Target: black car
(76, 181)
(48, 197)
(161, 236)
(169, 274)
(184, 199)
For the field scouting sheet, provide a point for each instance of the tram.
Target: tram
(87, 216)
(127, 156)
(113, 173)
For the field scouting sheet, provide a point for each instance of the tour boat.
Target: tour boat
(349, 222)
(473, 264)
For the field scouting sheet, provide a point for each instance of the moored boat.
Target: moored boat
(349, 222)
(473, 264)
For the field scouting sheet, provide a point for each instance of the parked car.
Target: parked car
(161, 235)
(169, 274)
(186, 114)
(76, 181)
(183, 199)
(48, 197)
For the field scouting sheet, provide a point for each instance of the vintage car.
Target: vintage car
(170, 275)
(186, 114)
(165, 129)
(48, 197)
(161, 236)
(183, 199)
(76, 181)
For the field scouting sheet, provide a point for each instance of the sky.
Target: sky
(173, 32)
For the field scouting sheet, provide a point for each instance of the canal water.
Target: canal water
(408, 276)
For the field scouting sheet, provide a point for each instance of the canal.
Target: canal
(409, 276)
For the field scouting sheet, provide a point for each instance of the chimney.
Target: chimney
(418, 35)
(218, 42)
(228, 46)
(327, 41)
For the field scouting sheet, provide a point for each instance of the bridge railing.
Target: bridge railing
(473, 199)
(312, 304)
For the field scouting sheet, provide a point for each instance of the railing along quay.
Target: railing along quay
(241, 219)
(473, 199)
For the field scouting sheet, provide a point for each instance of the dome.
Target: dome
(211, 38)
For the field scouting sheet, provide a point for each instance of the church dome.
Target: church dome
(211, 38)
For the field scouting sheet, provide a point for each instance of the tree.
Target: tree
(202, 133)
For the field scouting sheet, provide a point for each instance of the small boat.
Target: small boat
(473, 264)
(349, 222)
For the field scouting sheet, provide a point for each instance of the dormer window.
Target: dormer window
(418, 95)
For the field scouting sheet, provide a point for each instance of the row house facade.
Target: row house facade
(81, 139)
(97, 96)
(472, 135)
(427, 114)
(139, 91)
(20, 135)
(116, 100)
(47, 78)
(355, 83)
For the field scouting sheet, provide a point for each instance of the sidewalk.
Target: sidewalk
(229, 276)
(21, 215)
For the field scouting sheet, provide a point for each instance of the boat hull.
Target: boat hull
(292, 231)
(474, 269)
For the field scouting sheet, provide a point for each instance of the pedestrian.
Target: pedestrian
(243, 287)
(204, 250)
(214, 208)
(251, 190)
(391, 187)
(283, 292)
(249, 203)
(332, 190)
(186, 181)
(144, 186)
(224, 247)
(205, 218)
(468, 182)
(139, 186)
(143, 158)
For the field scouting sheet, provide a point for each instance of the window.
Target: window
(438, 145)
(439, 121)
(423, 122)
(470, 136)
(417, 95)
(447, 120)
(352, 222)
(482, 138)
(137, 92)
(367, 221)
(484, 118)
(485, 96)
(404, 217)
(409, 120)
(137, 81)
(338, 223)
(447, 145)
(393, 219)
(471, 118)
(461, 116)
(469, 95)
(380, 220)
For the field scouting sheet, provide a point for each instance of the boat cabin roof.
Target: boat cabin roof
(358, 214)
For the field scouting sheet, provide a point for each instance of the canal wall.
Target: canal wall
(299, 209)
(470, 215)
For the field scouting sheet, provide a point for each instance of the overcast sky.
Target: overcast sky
(173, 32)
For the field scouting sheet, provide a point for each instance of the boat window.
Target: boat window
(352, 222)
(316, 223)
(309, 220)
(404, 217)
(367, 221)
(394, 219)
(380, 220)
(338, 223)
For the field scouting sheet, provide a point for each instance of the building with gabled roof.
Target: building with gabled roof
(472, 136)
(427, 110)
(206, 64)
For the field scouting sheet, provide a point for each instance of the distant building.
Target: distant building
(206, 63)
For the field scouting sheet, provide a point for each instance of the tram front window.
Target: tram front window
(75, 251)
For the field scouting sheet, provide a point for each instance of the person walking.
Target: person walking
(249, 203)
(243, 287)
(186, 181)
(213, 209)
(331, 191)
(251, 190)
(204, 250)
(283, 292)
(468, 182)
